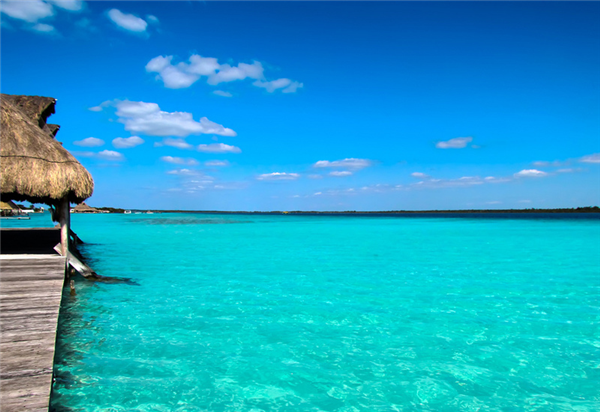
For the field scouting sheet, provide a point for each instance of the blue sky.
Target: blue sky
(318, 105)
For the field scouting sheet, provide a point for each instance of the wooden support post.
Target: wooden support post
(64, 218)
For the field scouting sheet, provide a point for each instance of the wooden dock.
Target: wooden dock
(30, 295)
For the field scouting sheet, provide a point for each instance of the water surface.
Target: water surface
(333, 313)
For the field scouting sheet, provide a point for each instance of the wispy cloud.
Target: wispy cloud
(127, 142)
(556, 163)
(278, 176)
(343, 173)
(149, 119)
(184, 172)
(593, 158)
(216, 163)
(178, 143)
(222, 93)
(44, 28)
(456, 143)
(184, 74)
(179, 160)
(349, 163)
(89, 142)
(288, 86)
(218, 148)
(429, 182)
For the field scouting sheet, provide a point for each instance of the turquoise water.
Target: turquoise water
(333, 313)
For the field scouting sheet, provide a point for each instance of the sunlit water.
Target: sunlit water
(333, 313)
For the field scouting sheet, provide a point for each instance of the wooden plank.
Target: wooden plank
(79, 266)
(30, 296)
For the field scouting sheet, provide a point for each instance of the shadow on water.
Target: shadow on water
(82, 255)
(75, 322)
(71, 322)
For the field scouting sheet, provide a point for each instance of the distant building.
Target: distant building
(9, 209)
(83, 208)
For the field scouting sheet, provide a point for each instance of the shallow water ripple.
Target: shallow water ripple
(296, 313)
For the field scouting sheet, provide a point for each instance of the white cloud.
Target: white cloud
(419, 175)
(218, 148)
(70, 5)
(530, 173)
(340, 173)
(278, 176)
(222, 93)
(30, 11)
(152, 19)
(127, 21)
(179, 160)
(593, 158)
(242, 71)
(465, 181)
(147, 118)
(89, 142)
(350, 163)
(216, 163)
(127, 142)
(44, 28)
(110, 155)
(456, 143)
(184, 74)
(315, 176)
(178, 143)
(287, 85)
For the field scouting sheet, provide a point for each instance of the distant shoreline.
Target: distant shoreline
(590, 209)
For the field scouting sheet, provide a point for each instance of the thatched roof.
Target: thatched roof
(37, 108)
(8, 206)
(35, 167)
(83, 208)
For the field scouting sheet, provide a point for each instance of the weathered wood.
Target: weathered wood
(64, 214)
(77, 264)
(30, 295)
(76, 239)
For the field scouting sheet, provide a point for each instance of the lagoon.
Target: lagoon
(333, 313)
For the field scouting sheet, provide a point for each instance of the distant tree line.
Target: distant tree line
(585, 209)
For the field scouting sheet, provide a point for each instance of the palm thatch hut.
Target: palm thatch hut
(34, 165)
(83, 208)
(8, 209)
(8, 206)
